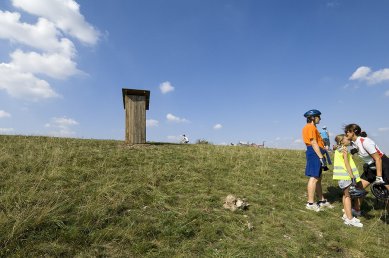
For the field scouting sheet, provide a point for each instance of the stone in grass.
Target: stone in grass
(233, 203)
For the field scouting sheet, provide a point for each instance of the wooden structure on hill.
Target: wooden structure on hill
(135, 103)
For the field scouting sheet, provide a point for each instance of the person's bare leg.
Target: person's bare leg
(311, 189)
(358, 202)
(319, 190)
(347, 203)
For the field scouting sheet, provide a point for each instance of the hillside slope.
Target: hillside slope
(76, 197)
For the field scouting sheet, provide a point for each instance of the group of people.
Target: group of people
(375, 168)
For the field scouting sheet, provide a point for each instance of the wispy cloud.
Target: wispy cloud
(62, 126)
(174, 138)
(53, 53)
(383, 129)
(176, 119)
(365, 74)
(387, 93)
(6, 130)
(166, 87)
(152, 123)
(4, 114)
(217, 127)
(332, 4)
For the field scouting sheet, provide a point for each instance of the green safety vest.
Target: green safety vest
(340, 171)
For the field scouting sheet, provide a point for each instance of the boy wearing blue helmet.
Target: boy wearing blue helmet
(326, 137)
(316, 161)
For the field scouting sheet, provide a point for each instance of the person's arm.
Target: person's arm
(347, 163)
(371, 150)
(378, 163)
(316, 148)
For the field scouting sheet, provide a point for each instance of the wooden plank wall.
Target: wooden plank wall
(135, 119)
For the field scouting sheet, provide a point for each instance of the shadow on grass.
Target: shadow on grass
(148, 144)
(334, 194)
(371, 204)
(164, 143)
(383, 207)
(385, 219)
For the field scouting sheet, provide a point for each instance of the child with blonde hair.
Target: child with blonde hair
(347, 175)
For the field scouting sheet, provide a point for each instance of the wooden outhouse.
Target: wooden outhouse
(136, 102)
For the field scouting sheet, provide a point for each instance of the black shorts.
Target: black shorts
(369, 174)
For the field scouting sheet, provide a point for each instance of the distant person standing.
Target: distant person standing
(316, 161)
(185, 139)
(326, 137)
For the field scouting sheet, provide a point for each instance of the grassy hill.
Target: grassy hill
(74, 197)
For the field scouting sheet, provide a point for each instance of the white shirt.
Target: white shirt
(366, 147)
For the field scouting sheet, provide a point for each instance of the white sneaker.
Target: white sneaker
(353, 222)
(325, 204)
(344, 217)
(313, 207)
(355, 213)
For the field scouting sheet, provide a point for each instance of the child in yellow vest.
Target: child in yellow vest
(347, 175)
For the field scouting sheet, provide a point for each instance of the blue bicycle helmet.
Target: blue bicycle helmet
(357, 193)
(312, 112)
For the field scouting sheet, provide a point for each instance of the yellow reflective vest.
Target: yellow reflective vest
(340, 170)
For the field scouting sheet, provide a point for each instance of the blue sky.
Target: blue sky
(221, 70)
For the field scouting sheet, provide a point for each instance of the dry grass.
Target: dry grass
(73, 197)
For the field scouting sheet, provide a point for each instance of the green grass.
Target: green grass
(83, 198)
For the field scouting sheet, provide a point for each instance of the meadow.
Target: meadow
(101, 198)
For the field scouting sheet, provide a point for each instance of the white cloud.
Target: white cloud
(4, 114)
(6, 130)
(54, 65)
(152, 123)
(383, 129)
(176, 119)
(365, 74)
(174, 138)
(298, 141)
(23, 85)
(62, 126)
(361, 73)
(62, 122)
(43, 35)
(53, 53)
(387, 93)
(217, 127)
(65, 14)
(166, 87)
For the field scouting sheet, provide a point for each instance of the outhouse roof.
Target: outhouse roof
(145, 93)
